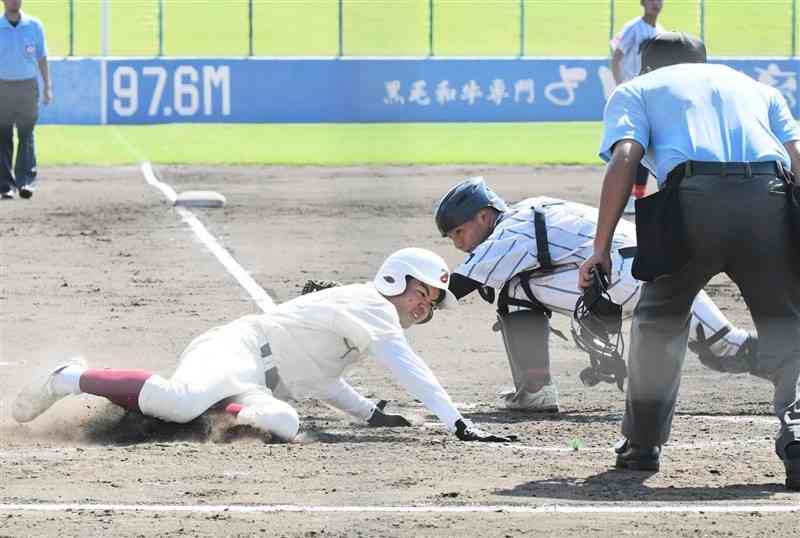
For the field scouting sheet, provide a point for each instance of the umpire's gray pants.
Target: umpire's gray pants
(19, 105)
(734, 225)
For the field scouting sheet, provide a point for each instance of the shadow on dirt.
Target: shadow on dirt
(516, 417)
(113, 426)
(615, 485)
(383, 435)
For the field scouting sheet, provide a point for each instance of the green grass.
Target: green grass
(400, 27)
(334, 144)
(380, 28)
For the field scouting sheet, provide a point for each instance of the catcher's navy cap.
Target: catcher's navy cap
(670, 48)
(463, 202)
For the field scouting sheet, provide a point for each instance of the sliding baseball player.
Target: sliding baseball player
(253, 366)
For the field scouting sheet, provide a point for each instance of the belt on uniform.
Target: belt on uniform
(712, 168)
(271, 377)
(22, 82)
(627, 252)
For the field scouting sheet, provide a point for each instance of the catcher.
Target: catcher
(302, 348)
(527, 256)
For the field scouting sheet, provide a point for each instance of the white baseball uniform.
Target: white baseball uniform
(512, 249)
(628, 40)
(311, 341)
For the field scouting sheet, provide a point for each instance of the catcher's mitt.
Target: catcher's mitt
(313, 285)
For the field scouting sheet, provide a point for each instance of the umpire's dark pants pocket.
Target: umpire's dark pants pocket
(661, 243)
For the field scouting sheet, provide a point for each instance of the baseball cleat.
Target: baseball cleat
(544, 400)
(39, 395)
(637, 458)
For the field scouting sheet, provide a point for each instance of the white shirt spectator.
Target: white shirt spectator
(628, 41)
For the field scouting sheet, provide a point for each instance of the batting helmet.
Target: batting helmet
(424, 265)
(463, 202)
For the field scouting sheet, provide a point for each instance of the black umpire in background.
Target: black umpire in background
(23, 56)
(719, 144)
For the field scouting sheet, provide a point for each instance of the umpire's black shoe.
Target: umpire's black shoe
(792, 464)
(637, 458)
(25, 192)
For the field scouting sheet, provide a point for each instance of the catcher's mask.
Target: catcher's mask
(597, 329)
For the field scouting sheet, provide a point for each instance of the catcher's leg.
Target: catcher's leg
(525, 335)
(623, 289)
(719, 345)
(260, 409)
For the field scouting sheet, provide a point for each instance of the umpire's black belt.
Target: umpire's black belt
(19, 83)
(711, 168)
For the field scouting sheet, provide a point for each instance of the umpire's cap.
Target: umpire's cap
(670, 48)
(463, 202)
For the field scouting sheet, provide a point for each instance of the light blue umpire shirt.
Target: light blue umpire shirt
(698, 112)
(21, 48)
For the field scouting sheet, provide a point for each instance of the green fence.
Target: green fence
(399, 27)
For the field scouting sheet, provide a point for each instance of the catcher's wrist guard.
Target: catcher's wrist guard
(313, 285)
(597, 329)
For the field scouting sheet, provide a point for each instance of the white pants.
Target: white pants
(558, 291)
(221, 364)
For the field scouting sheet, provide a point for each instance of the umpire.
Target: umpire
(718, 143)
(23, 55)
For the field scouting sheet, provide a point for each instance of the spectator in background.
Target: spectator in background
(626, 63)
(23, 55)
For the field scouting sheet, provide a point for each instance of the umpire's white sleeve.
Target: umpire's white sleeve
(344, 397)
(415, 376)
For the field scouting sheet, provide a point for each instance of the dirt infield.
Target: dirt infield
(98, 263)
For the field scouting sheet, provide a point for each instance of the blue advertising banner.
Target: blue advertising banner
(265, 90)
(77, 84)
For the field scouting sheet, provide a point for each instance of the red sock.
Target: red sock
(639, 191)
(234, 409)
(120, 386)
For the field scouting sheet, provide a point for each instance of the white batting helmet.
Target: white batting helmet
(424, 265)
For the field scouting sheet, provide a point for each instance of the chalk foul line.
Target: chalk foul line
(261, 297)
(601, 508)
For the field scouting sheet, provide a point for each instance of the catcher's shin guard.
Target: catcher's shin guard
(742, 362)
(525, 335)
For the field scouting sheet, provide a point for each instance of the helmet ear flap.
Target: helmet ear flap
(390, 281)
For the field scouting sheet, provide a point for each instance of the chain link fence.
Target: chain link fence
(399, 27)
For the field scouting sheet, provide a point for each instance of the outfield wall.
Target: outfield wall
(360, 90)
